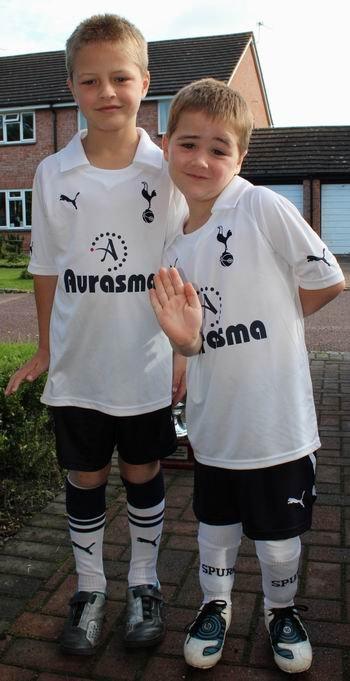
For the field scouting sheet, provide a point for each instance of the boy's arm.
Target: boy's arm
(44, 288)
(313, 300)
(179, 378)
(178, 311)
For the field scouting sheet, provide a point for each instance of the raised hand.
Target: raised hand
(178, 310)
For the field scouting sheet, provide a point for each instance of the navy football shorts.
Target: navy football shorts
(86, 439)
(270, 503)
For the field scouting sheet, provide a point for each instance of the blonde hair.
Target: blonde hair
(217, 100)
(106, 28)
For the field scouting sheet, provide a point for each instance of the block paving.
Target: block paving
(37, 577)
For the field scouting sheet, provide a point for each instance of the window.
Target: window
(16, 209)
(163, 113)
(17, 127)
(82, 122)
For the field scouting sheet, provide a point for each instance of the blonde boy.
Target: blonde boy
(103, 208)
(256, 268)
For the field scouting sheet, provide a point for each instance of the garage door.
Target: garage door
(335, 217)
(293, 192)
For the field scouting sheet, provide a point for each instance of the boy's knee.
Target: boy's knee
(138, 474)
(89, 479)
(280, 551)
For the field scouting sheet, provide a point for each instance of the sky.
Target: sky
(302, 44)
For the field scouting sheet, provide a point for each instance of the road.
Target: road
(328, 329)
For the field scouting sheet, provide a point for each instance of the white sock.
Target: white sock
(87, 517)
(146, 526)
(279, 562)
(218, 549)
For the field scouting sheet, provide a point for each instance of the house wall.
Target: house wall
(148, 119)
(19, 161)
(246, 81)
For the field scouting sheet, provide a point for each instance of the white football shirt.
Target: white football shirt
(250, 399)
(103, 233)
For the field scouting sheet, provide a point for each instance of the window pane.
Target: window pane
(16, 213)
(28, 127)
(13, 132)
(28, 196)
(82, 121)
(163, 113)
(2, 209)
(1, 129)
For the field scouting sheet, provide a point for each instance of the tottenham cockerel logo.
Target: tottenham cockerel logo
(226, 258)
(148, 215)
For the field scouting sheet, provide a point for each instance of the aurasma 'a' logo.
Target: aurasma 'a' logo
(113, 247)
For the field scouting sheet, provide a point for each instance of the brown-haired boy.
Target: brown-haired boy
(103, 208)
(257, 268)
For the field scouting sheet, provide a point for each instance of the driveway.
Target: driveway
(328, 329)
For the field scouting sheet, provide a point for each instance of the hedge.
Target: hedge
(29, 474)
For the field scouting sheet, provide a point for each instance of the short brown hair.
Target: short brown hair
(106, 28)
(217, 100)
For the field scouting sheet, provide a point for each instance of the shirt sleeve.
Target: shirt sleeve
(292, 238)
(42, 259)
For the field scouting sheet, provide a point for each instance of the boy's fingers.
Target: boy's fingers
(192, 296)
(167, 282)
(155, 302)
(176, 280)
(160, 290)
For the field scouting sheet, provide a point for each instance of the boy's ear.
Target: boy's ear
(165, 147)
(239, 164)
(70, 86)
(146, 83)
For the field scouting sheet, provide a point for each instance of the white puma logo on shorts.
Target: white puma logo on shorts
(293, 500)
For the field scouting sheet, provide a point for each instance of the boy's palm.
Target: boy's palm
(177, 307)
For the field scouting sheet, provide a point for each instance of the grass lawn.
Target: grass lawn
(10, 278)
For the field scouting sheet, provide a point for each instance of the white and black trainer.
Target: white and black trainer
(289, 640)
(83, 628)
(206, 635)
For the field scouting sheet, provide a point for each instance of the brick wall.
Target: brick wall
(148, 119)
(19, 161)
(246, 81)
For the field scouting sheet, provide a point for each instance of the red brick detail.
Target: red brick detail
(246, 81)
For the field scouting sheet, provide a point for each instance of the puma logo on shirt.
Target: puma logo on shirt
(63, 197)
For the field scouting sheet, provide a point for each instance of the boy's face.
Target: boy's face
(108, 85)
(203, 156)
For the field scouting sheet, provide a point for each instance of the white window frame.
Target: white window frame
(82, 122)
(15, 195)
(16, 117)
(163, 112)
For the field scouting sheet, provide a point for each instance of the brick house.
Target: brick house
(38, 117)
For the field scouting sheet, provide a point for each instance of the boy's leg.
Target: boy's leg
(277, 509)
(84, 442)
(142, 441)
(86, 510)
(279, 562)
(219, 538)
(218, 549)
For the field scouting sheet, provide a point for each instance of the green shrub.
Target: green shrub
(29, 473)
(25, 274)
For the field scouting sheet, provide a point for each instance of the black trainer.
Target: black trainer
(145, 625)
(83, 627)
(289, 640)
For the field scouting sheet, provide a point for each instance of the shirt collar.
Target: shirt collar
(230, 196)
(73, 155)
